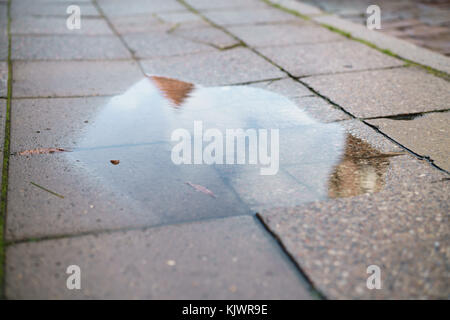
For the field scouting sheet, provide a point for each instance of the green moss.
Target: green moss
(6, 148)
(348, 35)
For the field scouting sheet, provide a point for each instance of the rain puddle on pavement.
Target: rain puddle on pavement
(129, 146)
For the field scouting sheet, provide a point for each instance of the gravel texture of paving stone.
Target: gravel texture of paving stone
(219, 5)
(29, 25)
(321, 110)
(154, 45)
(321, 58)
(427, 135)
(73, 78)
(233, 66)
(68, 47)
(399, 47)
(270, 35)
(113, 8)
(384, 92)
(287, 87)
(48, 8)
(2, 129)
(402, 229)
(210, 36)
(3, 79)
(233, 258)
(248, 16)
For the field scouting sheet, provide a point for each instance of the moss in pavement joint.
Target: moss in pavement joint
(437, 73)
(6, 148)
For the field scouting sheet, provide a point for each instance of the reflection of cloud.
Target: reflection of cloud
(361, 170)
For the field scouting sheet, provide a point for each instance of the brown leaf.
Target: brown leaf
(42, 151)
(115, 162)
(201, 189)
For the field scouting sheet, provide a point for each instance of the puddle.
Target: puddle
(128, 146)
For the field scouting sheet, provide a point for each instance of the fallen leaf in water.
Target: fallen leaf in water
(42, 151)
(201, 189)
(115, 162)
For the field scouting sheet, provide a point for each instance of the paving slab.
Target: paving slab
(232, 258)
(287, 87)
(57, 25)
(180, 17)
(3, 32)
(113, 8)
(73, 78)
(139, 24)
(427, 135)
(298, 6)
(384, 92)
(233, 66)
(97, 194)
(68, 47)
(283, 34)
(157, 44)
(322, 58)
(49, 8)
(400, 47)
(3, 79)
(218, 4)
(402, 229)
(244, 16)
(2, 129)
(210, 36)
(320, 109)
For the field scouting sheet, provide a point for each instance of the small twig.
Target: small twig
(45, 189)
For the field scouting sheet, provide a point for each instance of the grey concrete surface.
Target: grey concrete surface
(427, 136)
(384, 92)
(221, 259)
(312, 59)
(346, 196)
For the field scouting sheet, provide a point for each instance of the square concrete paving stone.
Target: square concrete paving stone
(427, 135)
(321, 58)
(157, 44)
(215, 68)
(283, 34)
(210, 36)
(140, 24)
(2, 129)
(219, 4)
(320, 109)
(68, 47)
(3, 79)
(35, 8)
(244, 16)
(403, 229)
(116, 8)
(231, 258)
(73, 78)
(287, 87)
(146, 189)
(384, 92)
(57, 25)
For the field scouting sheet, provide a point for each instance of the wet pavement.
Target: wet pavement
(125, 157)
(422, 22)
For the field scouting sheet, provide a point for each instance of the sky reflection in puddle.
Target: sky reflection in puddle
(316, 161)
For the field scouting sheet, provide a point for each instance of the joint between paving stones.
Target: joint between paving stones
(6, 151)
